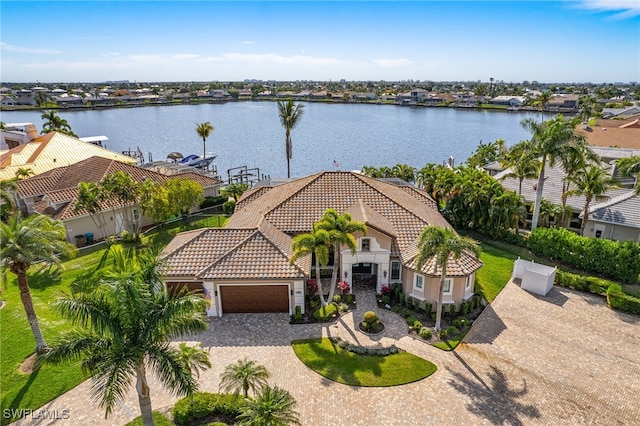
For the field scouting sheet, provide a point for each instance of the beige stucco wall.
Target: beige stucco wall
(383, 240)
(84, 224)
(431, 288)
(613, 232)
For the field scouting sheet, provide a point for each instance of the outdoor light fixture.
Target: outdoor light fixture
(346, 274)
(384, 273)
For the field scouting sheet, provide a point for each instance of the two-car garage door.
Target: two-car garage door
(254, 298)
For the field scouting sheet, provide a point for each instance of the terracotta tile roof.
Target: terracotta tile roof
(465, 265)
(362, 212)
(181, 239)
(250, 195)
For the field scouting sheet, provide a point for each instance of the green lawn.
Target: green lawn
(496, 271)
(31, 391)
(330, 361)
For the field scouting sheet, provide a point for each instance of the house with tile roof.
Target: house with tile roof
(55, 192)
(246, 266)
(617, 218)
(50, 151)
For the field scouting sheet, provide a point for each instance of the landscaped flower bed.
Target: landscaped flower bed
(421, 320)
(314, 312)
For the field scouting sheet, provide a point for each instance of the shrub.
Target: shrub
(312, 285)
(395, 309)
(417, 325)
(443, 333)
(460, 322)
(343, 307)
(158, 418)
(427, 308)
(298, 313)
(385, 290)
(464, 308)
(337, 298)
(617, 299)
(314, 303)
(452, 309)
(452, 331)
(228, 206)
(416, 304)
(213, 201)
(385, 299)
(411, 320)
(205, 404)
(344, 286)
(370, 317)
(408, 301)
(349, 298)
(406, 312)
(401, 298)
(425, 333)
(325, 313)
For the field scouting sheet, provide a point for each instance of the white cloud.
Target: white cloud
(6, 47)
(388, 63)
(626, 8)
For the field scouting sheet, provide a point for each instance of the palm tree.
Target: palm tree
(290, 115)
(204, 130)
(125, 327)
(523, 163)
(53, 122)
(443, 244)
(574, 158)
(194, 358)
(317, 244)
(124, 189)
(592, 182)
(549, 139)
(243, 375)
(541, 101)
(24, 173)
(341, 229)
(90, 199)
(6, 187)
(505, 211)
(272, 406)
(24, 242)
(549, 210)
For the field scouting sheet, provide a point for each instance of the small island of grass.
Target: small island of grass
(329, 360)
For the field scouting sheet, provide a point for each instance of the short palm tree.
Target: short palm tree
(444, 245)
(592, 182)
(194, 358)
(315, 243)
(26, 241)
(341, 229)
(243, 375)
(53, 122)
(7, 186)
(24, 173)
(272, 406)
(204, 130)
(290, 115)
(124, 329)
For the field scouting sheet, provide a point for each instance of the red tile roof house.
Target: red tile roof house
(245, 267)
(54, 193)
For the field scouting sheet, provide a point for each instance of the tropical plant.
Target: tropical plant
(550, 211)
(194, 358)
(183, 195)
(290, 115)
(541, 101)
(443, 244)
(234, 190)
(90, 199)
(592, 182)
(341, 229)
(549, 139)
(315, 243)
(53, 122)
(487, 153)
(505, 211)
(243, 375)
(124, 329)
(7, 186)
(628, 167)
(574, 157)
(121, 187)
(204, 130)
(24, 173)
(522, 161)
(272, 406)
(24, 242)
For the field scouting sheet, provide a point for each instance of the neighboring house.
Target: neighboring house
(364, 96)
(616, 219)
(15, 134)
(54, 193)
(510, 101)
(52, 150)
(621, 113)
(552, 192)
(245, 267)
(563, 102)
(613, 133)
(418, 95)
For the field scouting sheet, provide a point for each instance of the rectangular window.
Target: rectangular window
(468, 284)
(448, 285)
(366, 244)
(419, 282)
(395, 270)
(136, 216)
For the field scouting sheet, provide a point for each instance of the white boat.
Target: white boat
(195, 160)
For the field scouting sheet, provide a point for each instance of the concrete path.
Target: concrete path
(565, 359)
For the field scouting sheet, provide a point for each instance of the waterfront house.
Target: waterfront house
(245, 267)
(617, 218)
(55, 192)
(509, 101)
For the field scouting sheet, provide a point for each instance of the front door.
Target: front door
(364, 275)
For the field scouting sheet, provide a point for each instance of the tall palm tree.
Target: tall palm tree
(315, 243)
(630, 166)
(549, 210)
(90, 199)
(24, 242)
(549, 139)
(505, 211)
(272, 406)
(341, 229)
(204, 130)
(443, 244)
(125, 190)
(592, 182)
(523, 163)
(574, 157)
(541, 101)
(125, 327)
(290, 115)
(243, 375)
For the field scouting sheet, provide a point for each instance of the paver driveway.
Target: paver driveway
(565, 359)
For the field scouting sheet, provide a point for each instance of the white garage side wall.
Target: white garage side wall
(218, 293)
(298, 292)
(212, 300)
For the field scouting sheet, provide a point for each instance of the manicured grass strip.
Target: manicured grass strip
(496, 272)
(330, 361)
(451, 344)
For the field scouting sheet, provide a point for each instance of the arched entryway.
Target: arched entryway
(364, 275)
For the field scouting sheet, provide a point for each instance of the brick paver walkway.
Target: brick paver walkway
(565, 359)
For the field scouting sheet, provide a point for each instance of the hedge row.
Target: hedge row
(205, 404)
(617, 299)
(617, 260)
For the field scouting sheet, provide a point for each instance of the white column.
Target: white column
(209, 296)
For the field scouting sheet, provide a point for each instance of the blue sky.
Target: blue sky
(547, 41)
